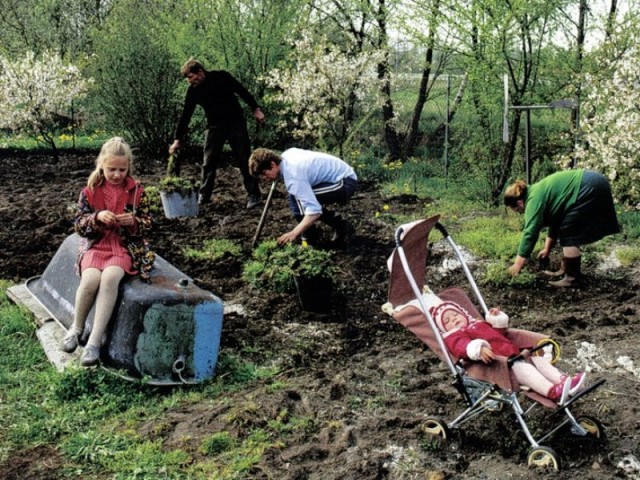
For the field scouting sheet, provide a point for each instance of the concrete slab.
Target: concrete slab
(20, 295)
(50, 335)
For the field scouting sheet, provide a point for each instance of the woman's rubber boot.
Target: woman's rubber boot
(556, 273)
(571, 273)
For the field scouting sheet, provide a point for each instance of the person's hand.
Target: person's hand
(494, 311)
(107, 217)
(544, 253)
(517, 265)
(515, 269)
(126, 219)
(287, 238)
(174, 147)
(487, 355)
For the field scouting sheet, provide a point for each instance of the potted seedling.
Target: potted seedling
(179, 195)
(313, 274)
(293, 268)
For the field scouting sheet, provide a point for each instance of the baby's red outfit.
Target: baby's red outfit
(458, 340)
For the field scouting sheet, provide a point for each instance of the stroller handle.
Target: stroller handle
(400, 231)
(515, 358)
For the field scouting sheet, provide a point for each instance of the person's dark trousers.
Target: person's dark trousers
(327, 193)
(238, 137)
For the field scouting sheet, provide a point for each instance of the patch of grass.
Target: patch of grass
(64, 139)
(628, 255)
(147, 459)
(497, 274)
(93, 447)
(492, 237)
(236, 371)
(217, 443)
(630, 222)
(92, 416)
(214, 249)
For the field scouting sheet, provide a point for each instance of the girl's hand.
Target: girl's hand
(107, 217)
(125, 219)
(487, 355)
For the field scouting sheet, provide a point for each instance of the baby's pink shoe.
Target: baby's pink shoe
(576, 382)
(560, 391)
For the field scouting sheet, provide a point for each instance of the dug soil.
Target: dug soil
(363, 383)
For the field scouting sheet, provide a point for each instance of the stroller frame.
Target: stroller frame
(480, 395)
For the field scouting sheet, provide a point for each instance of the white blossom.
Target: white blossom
(35, 91)
(612, 124)
(319, 85)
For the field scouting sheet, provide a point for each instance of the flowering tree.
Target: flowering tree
(320, 89)
(612, 126)
(35, 92)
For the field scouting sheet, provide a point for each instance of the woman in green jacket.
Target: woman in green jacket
(575, 205)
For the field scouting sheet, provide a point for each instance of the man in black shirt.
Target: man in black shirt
(217, 92)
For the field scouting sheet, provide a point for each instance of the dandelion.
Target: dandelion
(377, 214)
(385, 208)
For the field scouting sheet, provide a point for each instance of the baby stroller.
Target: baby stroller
(483, 387)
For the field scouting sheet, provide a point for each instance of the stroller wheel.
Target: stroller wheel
(592, 426)
(436, 427)
(543, 457)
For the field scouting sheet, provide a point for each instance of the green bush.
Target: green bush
(155, 202)
(136, 79)
(273, 267)
(181, 185)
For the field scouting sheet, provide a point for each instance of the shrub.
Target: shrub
(274, 267)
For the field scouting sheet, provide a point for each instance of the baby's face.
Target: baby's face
(452, 319)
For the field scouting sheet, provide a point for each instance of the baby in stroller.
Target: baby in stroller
(473, 339)
(491, 363)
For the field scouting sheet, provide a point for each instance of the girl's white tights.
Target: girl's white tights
(539, 377)
(105, 284)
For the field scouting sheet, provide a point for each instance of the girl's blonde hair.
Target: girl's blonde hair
(114, 147)
(514, 192)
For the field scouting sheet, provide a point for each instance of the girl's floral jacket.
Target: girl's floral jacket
(133, 238)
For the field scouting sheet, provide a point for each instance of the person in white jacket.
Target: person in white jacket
(313, 180)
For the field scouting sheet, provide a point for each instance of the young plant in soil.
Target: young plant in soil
(173, 182)
(274, 267)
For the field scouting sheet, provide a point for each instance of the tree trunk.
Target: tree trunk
(611, 19)
(575, 113)
(413, 134)
(390, 133)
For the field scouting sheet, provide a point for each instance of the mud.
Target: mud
(365, 383)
